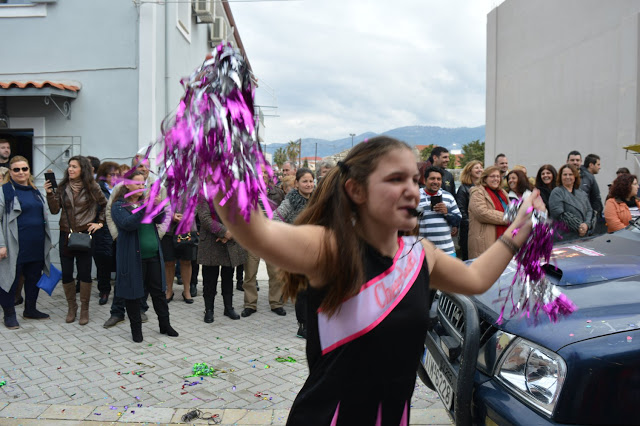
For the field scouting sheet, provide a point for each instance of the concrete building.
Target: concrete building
(97, 78)
(563, 75)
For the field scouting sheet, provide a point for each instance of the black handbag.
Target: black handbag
(190, 239)
(76, 241)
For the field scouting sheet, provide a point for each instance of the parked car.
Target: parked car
(584, 369)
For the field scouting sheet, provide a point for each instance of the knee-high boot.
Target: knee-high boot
(85, 296)
(70, 293)
(135, 319)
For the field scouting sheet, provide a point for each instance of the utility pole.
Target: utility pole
(352, 135)
(315, 160)
(300, 152)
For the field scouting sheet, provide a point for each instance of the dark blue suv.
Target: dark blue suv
(585, 369)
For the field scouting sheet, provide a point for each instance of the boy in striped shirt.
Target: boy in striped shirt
(439, 222)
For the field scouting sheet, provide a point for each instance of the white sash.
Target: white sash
(376, 299)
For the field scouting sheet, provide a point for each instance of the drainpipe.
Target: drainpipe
(166, 59)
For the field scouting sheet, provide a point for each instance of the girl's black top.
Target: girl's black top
(376, 371)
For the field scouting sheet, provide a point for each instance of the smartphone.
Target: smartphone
(435, 199)
(51, 177)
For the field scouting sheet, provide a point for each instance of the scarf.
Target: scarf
(500, 203)
(9, 192)
(298, 202)
(76, 185)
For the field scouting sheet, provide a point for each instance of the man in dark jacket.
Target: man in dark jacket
(439, 157)
(589, 185)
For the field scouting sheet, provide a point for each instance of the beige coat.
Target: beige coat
(483, 218)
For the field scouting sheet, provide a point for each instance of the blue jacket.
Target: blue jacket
(129, 284)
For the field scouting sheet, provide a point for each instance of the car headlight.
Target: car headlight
(534, 373)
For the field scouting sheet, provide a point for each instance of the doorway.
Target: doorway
(21, 141)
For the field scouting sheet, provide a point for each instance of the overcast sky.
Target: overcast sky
(334, 67)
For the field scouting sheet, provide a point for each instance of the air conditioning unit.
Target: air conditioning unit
(203, 9)
(218, 31)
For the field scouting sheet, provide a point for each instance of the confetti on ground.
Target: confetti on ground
(2, 383)
(202, 369)
(629, 339)
(285, 359)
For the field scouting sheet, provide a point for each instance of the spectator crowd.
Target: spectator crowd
(101, 200)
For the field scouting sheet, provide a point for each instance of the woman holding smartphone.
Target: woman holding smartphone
(83, 205)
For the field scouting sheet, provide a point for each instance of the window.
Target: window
(23, 8)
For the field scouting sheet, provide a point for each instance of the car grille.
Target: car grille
(453, 314)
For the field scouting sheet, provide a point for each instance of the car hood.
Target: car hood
(598, 275)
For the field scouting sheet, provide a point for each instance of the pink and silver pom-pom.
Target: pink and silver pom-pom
(210, 144)
(530, 291)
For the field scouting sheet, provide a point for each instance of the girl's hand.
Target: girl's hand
(523, 219)
(3, 253)
(177, 217)
(93, 227)
(228, 236)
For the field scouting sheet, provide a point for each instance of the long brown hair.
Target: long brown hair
(86, 175)
(342, 254)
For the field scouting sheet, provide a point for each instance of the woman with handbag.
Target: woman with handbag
(25, 241)
(83, 205)
(139, 257)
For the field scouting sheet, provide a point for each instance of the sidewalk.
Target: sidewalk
(64, 374)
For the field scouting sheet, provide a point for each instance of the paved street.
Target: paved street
(58, 373)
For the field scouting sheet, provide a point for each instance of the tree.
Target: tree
(424, 153)
(280, 157)
(474, 150)
(452, 161)
(305, 164)
(293, 151)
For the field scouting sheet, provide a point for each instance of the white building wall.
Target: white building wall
(563, 75)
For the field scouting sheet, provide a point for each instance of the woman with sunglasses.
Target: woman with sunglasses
(83, 210)
(25, 241)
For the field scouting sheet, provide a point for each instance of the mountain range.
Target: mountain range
(450, 138)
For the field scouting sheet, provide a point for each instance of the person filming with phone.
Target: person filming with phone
(440, 214)
(83, 212)
(25, 241)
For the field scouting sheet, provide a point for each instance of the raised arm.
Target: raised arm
(124, 219)
(295, 249)
(53, 200)
(452, 275)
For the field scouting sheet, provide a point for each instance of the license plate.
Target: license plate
(439, 380)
